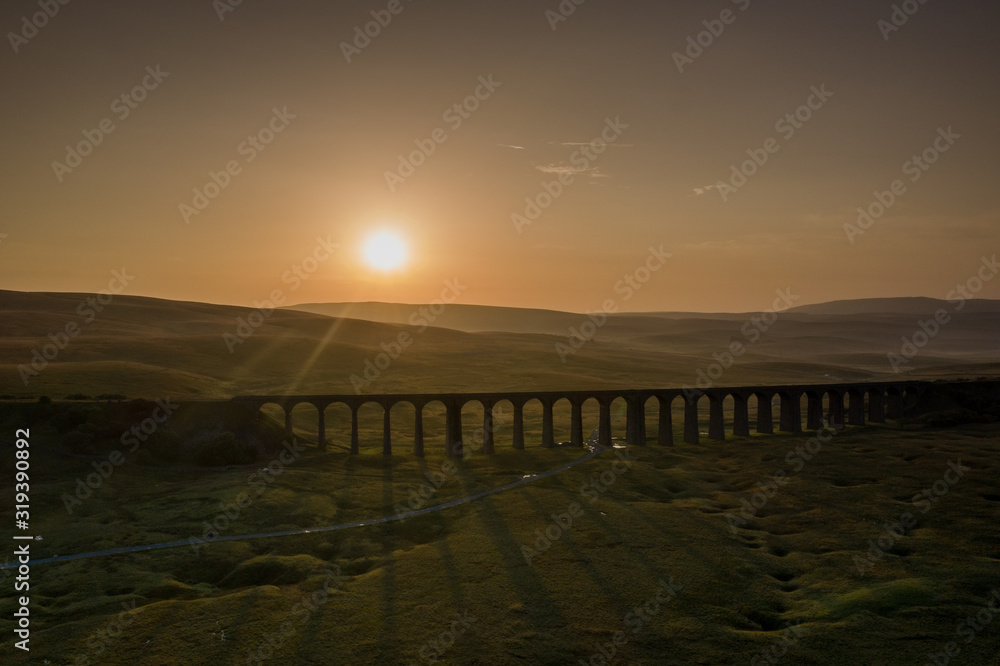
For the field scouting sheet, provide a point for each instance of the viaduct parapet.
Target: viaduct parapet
(850, 404)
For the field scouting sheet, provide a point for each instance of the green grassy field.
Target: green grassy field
(753, 550)
(384, 593)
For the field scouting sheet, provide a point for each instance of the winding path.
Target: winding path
(311, 530)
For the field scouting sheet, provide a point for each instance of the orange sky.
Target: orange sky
(543, 93)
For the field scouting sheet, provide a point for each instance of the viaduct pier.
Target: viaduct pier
(833, 405)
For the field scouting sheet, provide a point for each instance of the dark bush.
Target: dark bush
(223, 449)
(77, 442)
(950, 418)
(70, 419)
(166, 445)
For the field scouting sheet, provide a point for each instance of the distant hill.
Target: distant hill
(148, 347)
(460, 317)
(915, 306)
(484, 318)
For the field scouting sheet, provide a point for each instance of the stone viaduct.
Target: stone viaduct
(859, 403)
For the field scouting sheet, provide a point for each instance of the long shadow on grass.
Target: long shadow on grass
(444, 550)
(567, 540)
(388, 641)
(539, 605)
(674, 536)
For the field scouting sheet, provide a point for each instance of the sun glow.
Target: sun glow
(385, 251)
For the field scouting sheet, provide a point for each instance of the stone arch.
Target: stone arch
(590, 416)
(564, 419)
(274, 410)
(337, 424)
(855, 405)
(430, 424)
(398, 424)
(367, 424)
(658, 407)
(473, 424)
(503, 422)
(834, 407)
(532, 412)
(911, 396)
(619, 411)
(894, 402)
(307, 421)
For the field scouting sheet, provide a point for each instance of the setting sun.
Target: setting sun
(385, 251)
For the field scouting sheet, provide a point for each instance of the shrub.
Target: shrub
(951, 417)
(77, 442)
(71, 419)
(165, 445)
(223, 449)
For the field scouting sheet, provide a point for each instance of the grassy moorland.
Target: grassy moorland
(781, 548)
(788, 569)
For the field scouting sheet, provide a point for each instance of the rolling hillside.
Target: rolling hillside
(145, 347)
